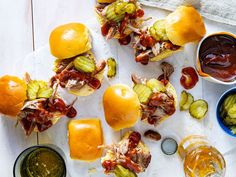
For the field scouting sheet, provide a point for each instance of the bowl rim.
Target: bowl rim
(219, 119)
(32, 148)
(197, 63)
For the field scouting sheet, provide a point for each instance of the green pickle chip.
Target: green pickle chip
(143, 92)
(111, 63)
(123, 172)
(84, 64)
(156, 85)
(116, 11)
(186, 99)
(198, 109)
(158, 30)
(38, 89)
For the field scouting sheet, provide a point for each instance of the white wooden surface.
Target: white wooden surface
(17, 38)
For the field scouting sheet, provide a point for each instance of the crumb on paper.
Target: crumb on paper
(92, 170)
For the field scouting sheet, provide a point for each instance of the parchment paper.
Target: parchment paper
(39, 64)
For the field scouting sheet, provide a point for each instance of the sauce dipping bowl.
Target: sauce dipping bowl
(225, 128)
(198, 63)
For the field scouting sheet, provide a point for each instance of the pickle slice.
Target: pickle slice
(156, 85)
(45, 92)
(32, 90)
(158, 30)
(229, 102)
(111, 64)
(233, 129)
(229, 121)
(123, 172)
(143, 92)
(186, 100)
(130, 8)
(198, 109)
(116, 11)
(232, 111)
(84, 64)
(38, 89)
(183, 99)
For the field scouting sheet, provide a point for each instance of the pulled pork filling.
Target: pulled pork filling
(120, 28)
(129, 155)
(158, 106)
(72, 79)
(40, 113)
(146, 47)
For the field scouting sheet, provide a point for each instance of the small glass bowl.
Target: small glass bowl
(23, 154)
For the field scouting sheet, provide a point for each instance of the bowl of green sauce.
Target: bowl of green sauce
(40, 161)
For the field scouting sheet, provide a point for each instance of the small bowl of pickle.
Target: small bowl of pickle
(226, 112)
(41, 160)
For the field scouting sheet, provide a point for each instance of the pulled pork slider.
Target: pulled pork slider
(75, 66)
(158, 98)
(129, 157)
(35, 105)
(118, 19)
(169, 35)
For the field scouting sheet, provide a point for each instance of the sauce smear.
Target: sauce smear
(217, 56)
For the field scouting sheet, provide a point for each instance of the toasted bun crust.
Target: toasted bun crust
(184, 25)
(85, 135)
(105, 1)
(164, 54)
(12, 95)
(121, 106)
(69, 40)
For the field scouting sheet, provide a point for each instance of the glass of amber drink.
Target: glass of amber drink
(200, 158)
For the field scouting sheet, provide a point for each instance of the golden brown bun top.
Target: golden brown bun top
(184, 25)
(69, 40)
(85, 135)
(106, 1)
(12, 95)
(121, 106)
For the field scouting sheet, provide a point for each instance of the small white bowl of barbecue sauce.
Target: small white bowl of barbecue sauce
(216, 58)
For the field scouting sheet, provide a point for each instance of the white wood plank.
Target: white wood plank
(16, 42)
(46, 17)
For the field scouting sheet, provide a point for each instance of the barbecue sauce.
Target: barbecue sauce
(217, 56)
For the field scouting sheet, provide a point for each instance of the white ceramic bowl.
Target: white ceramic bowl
(198, 64)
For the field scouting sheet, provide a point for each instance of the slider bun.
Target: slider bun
(121, 106)
(184, 25)
(85, 137)
(12, 95)
(105, 1)
(69, 40)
